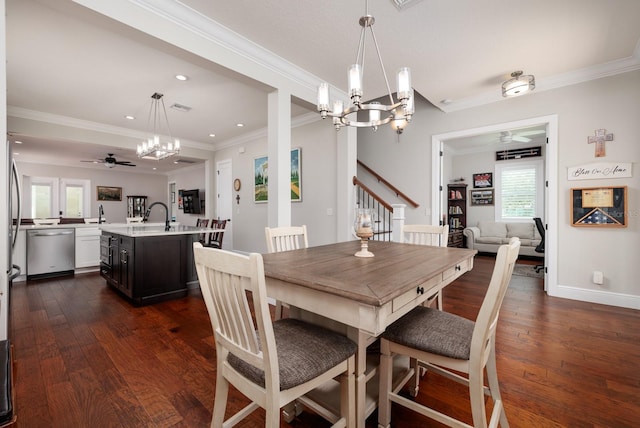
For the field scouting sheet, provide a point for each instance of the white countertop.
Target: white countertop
(89, 225)
(154, 229)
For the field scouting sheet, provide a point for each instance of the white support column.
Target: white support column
(397, 221)
(347, 157)
(279, 152)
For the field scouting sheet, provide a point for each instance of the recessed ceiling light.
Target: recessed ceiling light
(182, 77)
(18, 142)
(154, 168)
(16, 153)
(212, 135)
(239, 125)
(129, 117)
(446, 101)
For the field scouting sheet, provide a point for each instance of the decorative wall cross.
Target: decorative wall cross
(600, 137)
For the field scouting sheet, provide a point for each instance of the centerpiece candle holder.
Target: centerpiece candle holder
(364, 230)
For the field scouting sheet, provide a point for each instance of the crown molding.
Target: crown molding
(87, 125)
(586, 74)
(297, 121)
(206, 28)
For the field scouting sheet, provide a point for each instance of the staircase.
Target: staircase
(383, 212)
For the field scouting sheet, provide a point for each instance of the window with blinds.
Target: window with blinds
(519, 191)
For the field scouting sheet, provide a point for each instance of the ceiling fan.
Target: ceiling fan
(110, 161)
(520, 137)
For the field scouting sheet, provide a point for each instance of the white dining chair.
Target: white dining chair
(285, 238)
(443, 342)
(271, 363)
(426, 234)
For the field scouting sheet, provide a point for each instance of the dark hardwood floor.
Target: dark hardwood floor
(85, 357)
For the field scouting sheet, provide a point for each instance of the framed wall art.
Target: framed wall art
(261, 177)
(482, 180)
(599, 206)
(481, 197)
(108, 193)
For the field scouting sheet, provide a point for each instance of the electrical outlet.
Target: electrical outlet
(598, 277)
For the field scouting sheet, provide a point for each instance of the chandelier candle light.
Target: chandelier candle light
(398, 113)
(153, 148)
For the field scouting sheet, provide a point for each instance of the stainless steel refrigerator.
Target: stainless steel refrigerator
(14, 216)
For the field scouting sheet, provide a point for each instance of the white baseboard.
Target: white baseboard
(598, 296)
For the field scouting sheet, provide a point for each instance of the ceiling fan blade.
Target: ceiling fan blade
(532, 132)
(125, 163)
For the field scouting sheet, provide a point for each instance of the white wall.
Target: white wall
(317, 142)
(612, 103)
(189, 178)
(132, 183)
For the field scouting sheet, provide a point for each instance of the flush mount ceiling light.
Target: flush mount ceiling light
(153, 148)
(397, 113)
(518, 85)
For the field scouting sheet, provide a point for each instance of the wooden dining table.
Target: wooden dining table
(360, 297)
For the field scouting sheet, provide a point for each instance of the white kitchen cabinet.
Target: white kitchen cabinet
(87, 247)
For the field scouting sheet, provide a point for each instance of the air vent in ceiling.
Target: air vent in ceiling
(180, 107)
(529, 152)
(183, 161)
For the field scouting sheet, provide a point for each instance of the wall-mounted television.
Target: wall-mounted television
(191, 201)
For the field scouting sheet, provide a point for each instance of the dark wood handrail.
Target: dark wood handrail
(389, 185)
(381, 201)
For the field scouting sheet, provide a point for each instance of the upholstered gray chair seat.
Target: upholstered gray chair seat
(304, 352)
(433, 331)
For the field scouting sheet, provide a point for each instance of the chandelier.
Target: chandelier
(397, 113)
(518, 84)
(153, 148)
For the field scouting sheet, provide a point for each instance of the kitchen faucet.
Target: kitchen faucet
(100, 214)
(166, 214)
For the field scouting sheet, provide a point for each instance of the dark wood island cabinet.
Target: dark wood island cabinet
(147, 264)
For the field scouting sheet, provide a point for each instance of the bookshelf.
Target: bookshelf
(456, 213)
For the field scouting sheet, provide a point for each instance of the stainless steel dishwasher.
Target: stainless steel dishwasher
(50, 252)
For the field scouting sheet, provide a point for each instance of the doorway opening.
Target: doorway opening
(550, 125)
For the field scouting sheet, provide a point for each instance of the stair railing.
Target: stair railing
(382, 211)
(390, 186)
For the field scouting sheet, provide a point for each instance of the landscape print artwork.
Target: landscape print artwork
(261, 178)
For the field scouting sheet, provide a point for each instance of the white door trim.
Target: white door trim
(551, 178)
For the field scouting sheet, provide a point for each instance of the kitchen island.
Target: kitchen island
(148, 264)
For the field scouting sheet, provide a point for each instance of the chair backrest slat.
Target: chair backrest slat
(215, 238)
(425, 234)
(286, 238)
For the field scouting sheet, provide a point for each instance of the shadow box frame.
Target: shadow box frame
(589, 204)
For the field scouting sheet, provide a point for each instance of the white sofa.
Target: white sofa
(487, 236)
